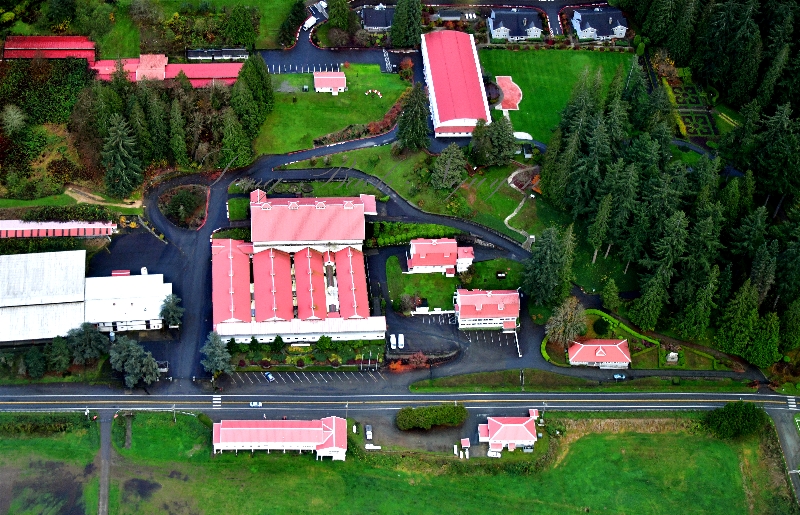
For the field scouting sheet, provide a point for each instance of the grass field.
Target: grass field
(540, 380)
(170, 470)
(485, 276)
(238, 208)
(55, 200)
(294, 125)
(436, 288)
(123, 38)
(546, 78)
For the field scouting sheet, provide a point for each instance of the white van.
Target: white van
(402, 342)
(392, 342)
(310, 22)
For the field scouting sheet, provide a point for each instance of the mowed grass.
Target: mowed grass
(663, 473)
(485, 277)
(123, 38)
(54, 200)
(294, 125)
(546, 78)
(436, 288)
(238, 208)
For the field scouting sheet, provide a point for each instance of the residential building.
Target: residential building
(330, 82)
(22, 229)
(455, 85)
(428, 256)
(327, 437)
(606, 354)
(509, 432)
(599, 23)
(515, 24)
(308, 273)
(123, 302)
(378, 18)
(482, 309)
(49, 47)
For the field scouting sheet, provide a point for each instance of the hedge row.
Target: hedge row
(616, 323)
(546, 356)
(237, 233)
(80, 212)
(429, 416)
(33, 245)
(41, 424)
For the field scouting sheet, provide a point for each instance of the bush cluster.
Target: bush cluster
(32, 245)
(736, 419)
(79, 212)
(429, 416)
(237, 233)
(399, 233)
(41, 424)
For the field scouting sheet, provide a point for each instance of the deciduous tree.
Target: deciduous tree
(449, 169)
(567, 322)
(217, 358)
(129, 357)
(86, 343)
(171, 312)
(14, 120)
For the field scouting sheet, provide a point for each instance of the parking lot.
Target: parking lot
(283, 379)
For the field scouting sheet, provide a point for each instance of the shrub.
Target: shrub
(80, 212)
(429, 416)
(736, 419)
(205, 420)
(601, 326)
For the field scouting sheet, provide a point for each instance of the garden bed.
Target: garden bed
(184, 206)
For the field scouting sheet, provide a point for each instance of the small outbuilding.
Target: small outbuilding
(509, 432)
(330, 82)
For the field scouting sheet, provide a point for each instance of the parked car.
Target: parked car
(619, 377)
(368, 431)
(255, 404)
(269, 377)
(392, 342)
(401, 341)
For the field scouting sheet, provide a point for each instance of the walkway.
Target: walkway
(106, 419)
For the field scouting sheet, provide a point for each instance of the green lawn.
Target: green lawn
(238, 208)
(647, 360)
(485, 277)
(123, 38)
(686, 156)
(546, 78)
(294, 125)
(437, 288)
(662, 473)
(55, 200)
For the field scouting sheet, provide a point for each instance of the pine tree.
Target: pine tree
(772, 76)
(599, 228)
(504, 144)
(481, 143)
(617, 124)
(660, 20)
(236, 149)
(217, 358)
(156, 119)
(646, 310)
(549, 269)
(750, 233)
(779, 145)
(762, 274)
(259, 81)
(449, 169)
(679, 40)
(177, 135)
(622, 183)
(171, 312)
(696, 316)
(246, 108)
(123, 171)
(789, 260)
(412, 126)
(338, 14)
(406, 27)
(587, 174)
(142, 132)
(129, 357)
(610, 296)
(739, 321)
(763, 350)
(58, 355)
(637, 97)
(790, 327)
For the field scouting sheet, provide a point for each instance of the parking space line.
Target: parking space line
(372, 376)
(281, 377)
(354, 376)
(304, 375)
(257, 378)
(329, 375)
(381, 376)
(297, 376)
(315, 378)
(290, 377)
(248, 378)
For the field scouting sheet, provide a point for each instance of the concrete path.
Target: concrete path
(106, 419)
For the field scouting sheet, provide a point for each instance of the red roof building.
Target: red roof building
(607, 354)
(49, 47)
(273, 290)
(330, 82)
(327, 437)
(444, 256)
(205, 74)
(230, 287)
(455, 87)
(21, 229)
(509, 432)
(156, 67)
(484, 309)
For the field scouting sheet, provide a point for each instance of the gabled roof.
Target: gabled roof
(352, 283)
(602, 19)
(332, 80)
(600, 351)
(326, 433)
(22, 229)
(433, 252)
(517, 22)
(377, 18)
(487, 304)
(43, 278)
(49, 47)
(512, 429)
(310, 279)
(230, 280)
(200, 75)
(272, 273)
(282, 220)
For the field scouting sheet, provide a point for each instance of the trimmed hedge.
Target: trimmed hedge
(616, 323)
(547, 356)
(387, 234)
(237, 233)
(429, 416)
(80, 212)
(205, 420)
(33, 245)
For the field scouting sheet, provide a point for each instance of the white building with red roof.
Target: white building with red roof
(327, 437)
(157, 67)
(485, 309)
(330, 82)
(509, 432)
(611, 354)
(429, 256)
(308, 273)
(455, 85)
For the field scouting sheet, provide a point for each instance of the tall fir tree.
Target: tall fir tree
(120, 158)
(679, 40)
(790, 327)
(246, 108)
(646, 309)
(660, 20)
(177, 135)
(157, 120)
(503, 141)
(695, 317)
(236, 149)
(598, 231)
(548, 270)
(140, 128)
(772, 76)
(338, 14)
(762, 273)
(763, 351)
(412, 126)
(739, 321)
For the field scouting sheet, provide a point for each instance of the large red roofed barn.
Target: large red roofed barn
(455, 87)
(49, 47)
(327, 436)
(308, 273)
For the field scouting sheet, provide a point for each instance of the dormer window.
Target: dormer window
(348, 204)
(320, 205)
(294, 205)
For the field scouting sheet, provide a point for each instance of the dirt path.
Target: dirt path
(106, 419)
(89, 198)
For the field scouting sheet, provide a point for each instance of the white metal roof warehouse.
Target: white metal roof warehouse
(41, 295)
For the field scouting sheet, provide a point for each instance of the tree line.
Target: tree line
(702, 243)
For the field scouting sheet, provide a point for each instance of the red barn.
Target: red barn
(49, 47)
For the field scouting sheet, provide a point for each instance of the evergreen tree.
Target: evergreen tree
(679, 40)
(610, 296)
(646, 310)
(177, 135)
(772, 76)
(762, 274)
(750, 233)
(246, 108)
(789, 286)
(549, 266)
(406, 27)
(259, 81)
(239, 26)
(142, 132)
(567, 322)
(617, 124)
(449, 169)
(481, 143)
(599, 228)
(217, 358)
(129, 357)
(86, 343)
(412, 126)
(741, 142)
(339, 14)
(696, 315)
(790, 327)
(236, 149)
(637, 97)
(763, 351)
(123, 171)
(171, 312)
(587, 174)
(35, 363)
(622, 183)
(661, 20)
(58, 355)
(739, 321)
(503, 141)
(157, 122)
(779, 145)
